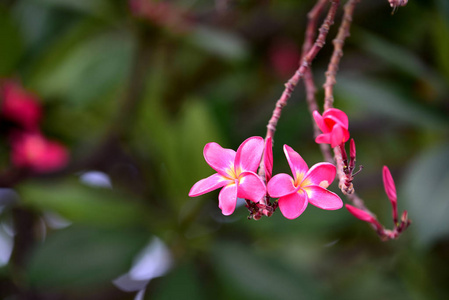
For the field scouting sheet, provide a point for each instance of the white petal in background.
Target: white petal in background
(153, 261)
(96, 179)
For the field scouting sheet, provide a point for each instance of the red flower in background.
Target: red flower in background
(34, 151)
(19, 106)
(284, 57)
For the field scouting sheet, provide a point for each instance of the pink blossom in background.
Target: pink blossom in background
(163, 14)
(334, 125)
(235, 174)
(307, 185)
(34, 151)
(284, 57)
(19, 106)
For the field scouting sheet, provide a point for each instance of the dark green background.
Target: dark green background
(139, 101)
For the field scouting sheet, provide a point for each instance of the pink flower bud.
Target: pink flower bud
(352, 152)
(268, 158)
(360, 214)
(390, 188)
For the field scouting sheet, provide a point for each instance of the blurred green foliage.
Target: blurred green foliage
(138, 100)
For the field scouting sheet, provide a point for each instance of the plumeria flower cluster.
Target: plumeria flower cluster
(237, 178)
(21, 113)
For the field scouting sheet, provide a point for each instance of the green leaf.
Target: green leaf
(81, 257)
(259, 277)
(93, 7)
(378, 97)
(221, 43)
(89, 70)
(79, 203)
(425, 195)
(11, 44)
(182, 283)
(440, 32)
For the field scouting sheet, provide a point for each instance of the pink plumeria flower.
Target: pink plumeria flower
(34, 151)
(19, 105)
(235, 173)
(334, 125)
(307, 185)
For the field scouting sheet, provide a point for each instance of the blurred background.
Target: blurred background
(131, 91)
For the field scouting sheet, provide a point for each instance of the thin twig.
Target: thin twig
(339, 41)
(306, 61)
(309, 83)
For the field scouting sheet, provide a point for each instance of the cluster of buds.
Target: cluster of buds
(30, 149)
(399, 225)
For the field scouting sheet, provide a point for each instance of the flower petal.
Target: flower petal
(337, 136)
(293, 205)
(281, 185)
(324, 138)
(208, 184)
(249, 154)
(321, 174)
(251, 187)
(227, 199)
(297, 164)
(320, 122)
(268, 158)
(338, 116)
(220, 159)
(360, 214)
(322, 198)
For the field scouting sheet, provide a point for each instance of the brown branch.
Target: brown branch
(309, 83)
(339, 42)
(346, 167)
(306, 61)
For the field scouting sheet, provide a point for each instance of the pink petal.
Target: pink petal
(251, 187)
(337, 136)
(220, 159)
(249, 154)
(324, 138)
(55, 157)
(268, 159)
(293, 205)
(281, 185)
(360, 214)
(389, 185)
(322, 198)
(297, 164)
(227, 199)
(338, 116)
(208, 184)
(320, 122)
(321, 174)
